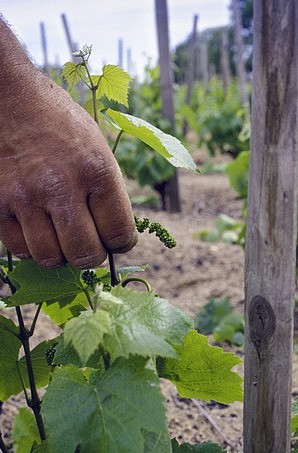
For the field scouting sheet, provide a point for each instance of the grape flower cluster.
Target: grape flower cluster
(90, 278)
(154, 227)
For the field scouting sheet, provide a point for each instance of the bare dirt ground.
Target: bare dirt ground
(188, 276)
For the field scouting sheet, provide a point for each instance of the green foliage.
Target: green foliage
(218, 118)
(86, 332)
(230, 329)
(237, 172)
(136, 159)
(166, 145)
(25, 432)
(205, 447)
(216, 318)
(294, 425)
(203, 371)
(227, 229)
(12, 367)
(142, 324)
(100, 380)
(141, 164)
(211, 314)
(73, 73)
(36, 284)
(114, 84)
(114, 412)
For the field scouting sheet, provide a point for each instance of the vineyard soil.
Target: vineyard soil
(188, 276)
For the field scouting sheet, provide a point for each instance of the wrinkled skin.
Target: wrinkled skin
(62, 197)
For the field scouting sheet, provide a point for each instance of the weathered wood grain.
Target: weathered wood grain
(271, 229)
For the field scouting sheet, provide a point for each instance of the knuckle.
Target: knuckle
(87, 261)
(50, 262)
(121, 239)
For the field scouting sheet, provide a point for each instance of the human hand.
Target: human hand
(62, 194)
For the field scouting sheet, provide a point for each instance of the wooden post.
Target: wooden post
(271, 229)
(204, 63)
(166, 85)
(190, 73)
(191, 60)
(240, 66)
(73, 47)
(224, 60)
(129, 61)
(120, 53)
(44, 47)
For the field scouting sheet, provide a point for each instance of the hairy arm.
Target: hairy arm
(62, 197)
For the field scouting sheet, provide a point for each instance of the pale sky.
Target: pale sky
(103, 22)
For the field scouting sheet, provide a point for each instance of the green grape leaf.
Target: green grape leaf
(166, 145)
(10, 366)
(67, 355)
(36, 284)
(113, 83)
(86, 332)
(25, 432)
(107, 415)
(10, 383)
(205, 447)
(59, 315)
(203, 371)
(142, 324)
(41, 448)
(40, 365)
(126, 271)
(156, 442)
(73, 73)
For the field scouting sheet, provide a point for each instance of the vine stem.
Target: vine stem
(114, 278)
(34, 403)
(117, 141)
(136, 279)
(3, 447)
(88, 298)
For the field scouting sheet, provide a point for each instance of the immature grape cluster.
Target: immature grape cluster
(155, 227)
(50, 354)
(90, 278)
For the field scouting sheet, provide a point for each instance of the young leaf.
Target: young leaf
(113, 83)
(24, 432)
(36, 284)
(67, 355)
(89, 107)
(73, 73)
(59, 315)
(166, 145)
(107, 415)
(86, 332)
(203, 371)
(143, 324)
